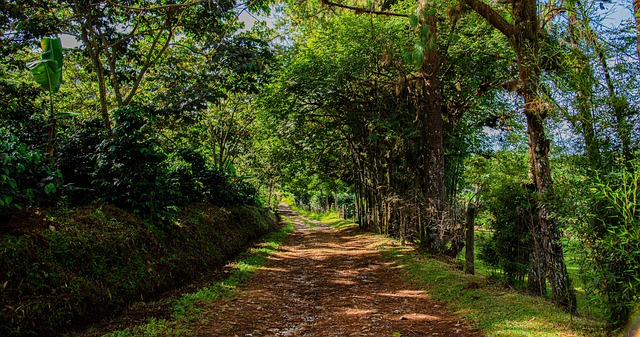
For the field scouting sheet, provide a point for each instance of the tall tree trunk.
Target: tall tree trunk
(524, 36)
(270, 190)
(545, 226)
(581, 80)
(51, 141)
(526, 46)
(88, 38)
(431, 128)
(470, 240)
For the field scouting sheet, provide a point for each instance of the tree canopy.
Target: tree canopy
(401, 115)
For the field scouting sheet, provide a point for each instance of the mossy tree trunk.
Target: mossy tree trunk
(524, 36)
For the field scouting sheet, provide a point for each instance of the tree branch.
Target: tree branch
(492, 16)
(359, 10)
(155, 8)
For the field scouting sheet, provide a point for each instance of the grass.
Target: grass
(330, 218)
(487, 305)
(492, 308)
(572, 261)
(187, 308)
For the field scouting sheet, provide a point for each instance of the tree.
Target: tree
(526, 38)
(127, 41)
(123, 58)
(378, 86)
(48, 73)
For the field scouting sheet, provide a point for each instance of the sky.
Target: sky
(620, 10)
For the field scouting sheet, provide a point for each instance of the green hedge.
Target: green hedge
(87, 263)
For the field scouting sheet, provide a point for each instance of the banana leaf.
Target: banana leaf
(48, 71)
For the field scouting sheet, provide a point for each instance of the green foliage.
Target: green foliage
(505, 201)
(78, 159)
(186, 168)
(26, 179)
(130, 167)
(47, 71)
(195, 181)
(21, 115)
(611, 242)
(96, 260)
(26, 175)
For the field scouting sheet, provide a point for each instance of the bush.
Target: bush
(509, 247)
(92, 262)
(78, 159)
(20, 114)
(186, 169)
(26, 179)
(131, 170)
(506, 207)
(26, 174)
(611, 242)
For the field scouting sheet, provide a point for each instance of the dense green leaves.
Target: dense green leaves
(611, 242)
(25, 177)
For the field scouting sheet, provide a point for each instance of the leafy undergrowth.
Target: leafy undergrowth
(189, 307)
(75, 266)
(489, 306)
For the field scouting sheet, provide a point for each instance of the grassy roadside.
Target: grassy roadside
(187, 309)
(328, 218)
(486, 305)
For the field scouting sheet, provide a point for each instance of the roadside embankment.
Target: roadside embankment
(69, 267)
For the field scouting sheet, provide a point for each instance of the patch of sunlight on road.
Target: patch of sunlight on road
(405, 293)
(420, 317)
(355, 312)
(279, 270)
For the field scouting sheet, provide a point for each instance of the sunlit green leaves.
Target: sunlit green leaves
(48, 70)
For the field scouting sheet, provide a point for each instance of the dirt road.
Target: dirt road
(326, 282)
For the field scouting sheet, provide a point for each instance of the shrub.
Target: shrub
(186, 167)
(78, 159)
(26, 178)
(506, 208)
(611, 242)
(509, 247)
(131, 171)
(26, 175)
(20, 114)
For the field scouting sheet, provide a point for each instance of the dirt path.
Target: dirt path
(325, 282)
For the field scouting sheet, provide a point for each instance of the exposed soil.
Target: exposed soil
(21, 222)
(326, 282)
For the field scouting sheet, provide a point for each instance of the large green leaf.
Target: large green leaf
(48, 71)
(45, 73)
